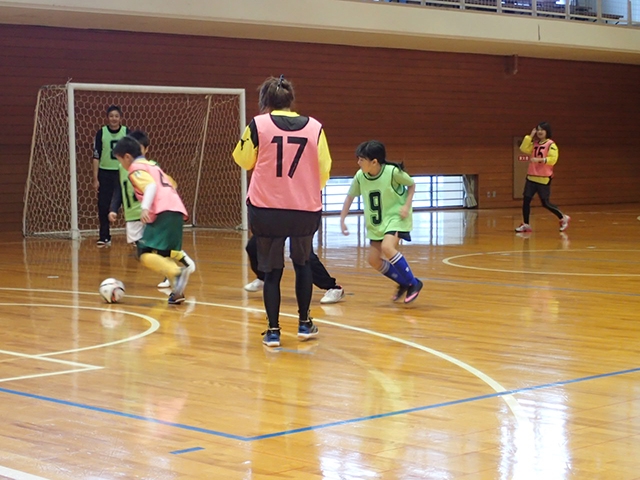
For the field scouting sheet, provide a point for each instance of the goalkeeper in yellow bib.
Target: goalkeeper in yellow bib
(162, 213)
(387, 191)
(132, 209)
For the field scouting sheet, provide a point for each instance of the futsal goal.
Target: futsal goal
(193, 132)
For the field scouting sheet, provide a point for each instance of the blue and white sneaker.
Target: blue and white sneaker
(271, 337)
(175, 299)
(307, 330)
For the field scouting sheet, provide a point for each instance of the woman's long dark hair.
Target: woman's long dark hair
(275, 94)
(373, 149)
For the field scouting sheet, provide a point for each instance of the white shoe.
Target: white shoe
(525, 227)
(564, 223)
(333, 295)
(190, 267)
(254, 286)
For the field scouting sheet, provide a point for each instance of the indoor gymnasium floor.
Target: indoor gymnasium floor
(519, 360)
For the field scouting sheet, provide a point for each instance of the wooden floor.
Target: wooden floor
(519, 360)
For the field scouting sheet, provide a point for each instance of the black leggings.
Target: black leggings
(544, 192)
(109, 182)
(272, 296)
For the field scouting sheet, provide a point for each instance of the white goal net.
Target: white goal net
(193, 132)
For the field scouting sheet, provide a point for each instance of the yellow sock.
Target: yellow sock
(159, 264)
(177, 255)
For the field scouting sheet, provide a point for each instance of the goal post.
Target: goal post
(193, 132)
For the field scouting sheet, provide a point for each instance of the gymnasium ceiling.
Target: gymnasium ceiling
(345, 22)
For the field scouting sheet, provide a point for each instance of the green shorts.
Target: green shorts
(163, 235)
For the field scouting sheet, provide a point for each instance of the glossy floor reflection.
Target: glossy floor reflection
(519, 360)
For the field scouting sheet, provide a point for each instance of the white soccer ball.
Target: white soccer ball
(111, 290)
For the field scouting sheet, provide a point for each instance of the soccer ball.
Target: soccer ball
(111, 290)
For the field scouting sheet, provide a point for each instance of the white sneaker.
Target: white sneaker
(254, 286)
(564, 223)
(190, 267)
(333, 295)
(525, 227)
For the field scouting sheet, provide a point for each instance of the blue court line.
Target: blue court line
(123, 414)
(320, 426)
(445, 404)
(186, 450)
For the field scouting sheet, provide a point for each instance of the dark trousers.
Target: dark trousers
(544, 192)
(321, 277)
(109, 181)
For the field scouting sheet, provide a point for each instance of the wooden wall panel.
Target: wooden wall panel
(440, 113)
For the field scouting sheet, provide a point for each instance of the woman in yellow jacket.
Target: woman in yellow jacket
(543, 155)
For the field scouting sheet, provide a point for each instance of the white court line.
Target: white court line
(154, 325)
(17, 475)
(448, 261)
(511, 402)
(42, 358)
(509, 399)
(84, 366)
(51, 374)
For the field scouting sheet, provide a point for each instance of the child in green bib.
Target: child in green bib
(387, 192)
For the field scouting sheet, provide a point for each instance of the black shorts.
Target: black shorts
(401, 235)
(531, 188)
(273, 226)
